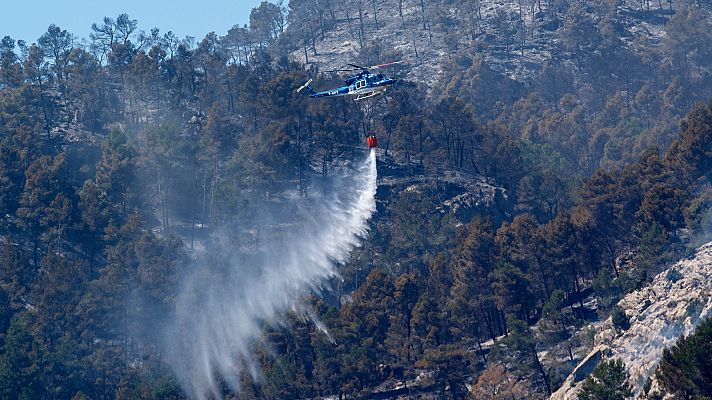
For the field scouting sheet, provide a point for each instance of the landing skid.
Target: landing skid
(370, 94)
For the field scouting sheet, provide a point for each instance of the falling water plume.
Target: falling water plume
(220, 312)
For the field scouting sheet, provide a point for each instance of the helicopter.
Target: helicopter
(363, 85)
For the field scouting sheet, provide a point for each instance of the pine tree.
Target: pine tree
(496, 383)
(20, 364)
(518, 349)
(43, 181)
(608, 381)
(620, 320)
(685, 370)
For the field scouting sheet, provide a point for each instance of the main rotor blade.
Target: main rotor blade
(357, 66)
(384, 65)
(340, 70)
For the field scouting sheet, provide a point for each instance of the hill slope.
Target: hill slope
(671, 306)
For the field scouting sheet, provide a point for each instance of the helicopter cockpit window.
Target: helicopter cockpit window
(360, 83)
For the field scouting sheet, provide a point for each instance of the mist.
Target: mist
(221, 310)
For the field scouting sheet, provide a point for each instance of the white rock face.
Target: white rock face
(671, 306)
(427, 51)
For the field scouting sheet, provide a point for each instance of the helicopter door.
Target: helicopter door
(360, 84)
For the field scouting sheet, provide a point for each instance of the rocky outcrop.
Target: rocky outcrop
(587, 365)
(463, 193)
(672, 305)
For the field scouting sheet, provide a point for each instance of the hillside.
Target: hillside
(515, 38)
(177, 222)
(621, 72)
(671, 306)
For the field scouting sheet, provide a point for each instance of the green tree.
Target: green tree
(608, 381)
(564, 253)
(109, 309)
(85, 83)
(427, 325)
(620, 320)
(266, 22)
(685, 370)
(17, 273)
(691, 153)
(542, 195)
(11, 173)
(10, 67)
(43, 179)
(496, 383)
(521, 243)
(400, 329)
(364, 330)
(59, 290)
(413, 232)
(512, 291)
(518, 349)
(471, 296)
(554, 323)
(94, 209)
(57, 43)
(115, 174)
(20, 366)
(5, 314)
(450, 366)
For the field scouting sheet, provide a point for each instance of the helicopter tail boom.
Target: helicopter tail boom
(306, 85)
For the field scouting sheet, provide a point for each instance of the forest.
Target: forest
(124, 155)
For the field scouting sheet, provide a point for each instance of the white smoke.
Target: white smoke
(220, 318)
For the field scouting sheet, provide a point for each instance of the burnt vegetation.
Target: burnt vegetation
(121, 155)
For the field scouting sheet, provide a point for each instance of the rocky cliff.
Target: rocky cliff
(672, 305)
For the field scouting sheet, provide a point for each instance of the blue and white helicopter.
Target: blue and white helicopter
(363, 85)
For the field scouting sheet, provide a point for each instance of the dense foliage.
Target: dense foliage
(119, 157)
(609, 381)
(685, 371)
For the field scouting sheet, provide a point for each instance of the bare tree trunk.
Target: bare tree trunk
(489, 324)
(400, 12)
(321, 23)
(205, 188)
(522, 27)
(415, 47)
(44, 109)
(541, 370)
(360, 19)
(195, 211)
(91, 254)
(479, 346)
(422, 9)
(313, 41)
(35, 245)
(375, 13)
(348, 18)
(306, 53)
(212, 191)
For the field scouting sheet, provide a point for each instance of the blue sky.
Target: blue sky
(28, 20)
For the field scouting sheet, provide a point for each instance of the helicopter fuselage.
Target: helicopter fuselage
(362, 86)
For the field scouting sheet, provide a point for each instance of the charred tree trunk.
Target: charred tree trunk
(360, 20)
(415, 47)
(375, 13)
(400, 12)
(422, 9)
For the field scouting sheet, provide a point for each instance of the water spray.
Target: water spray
(220, 319)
